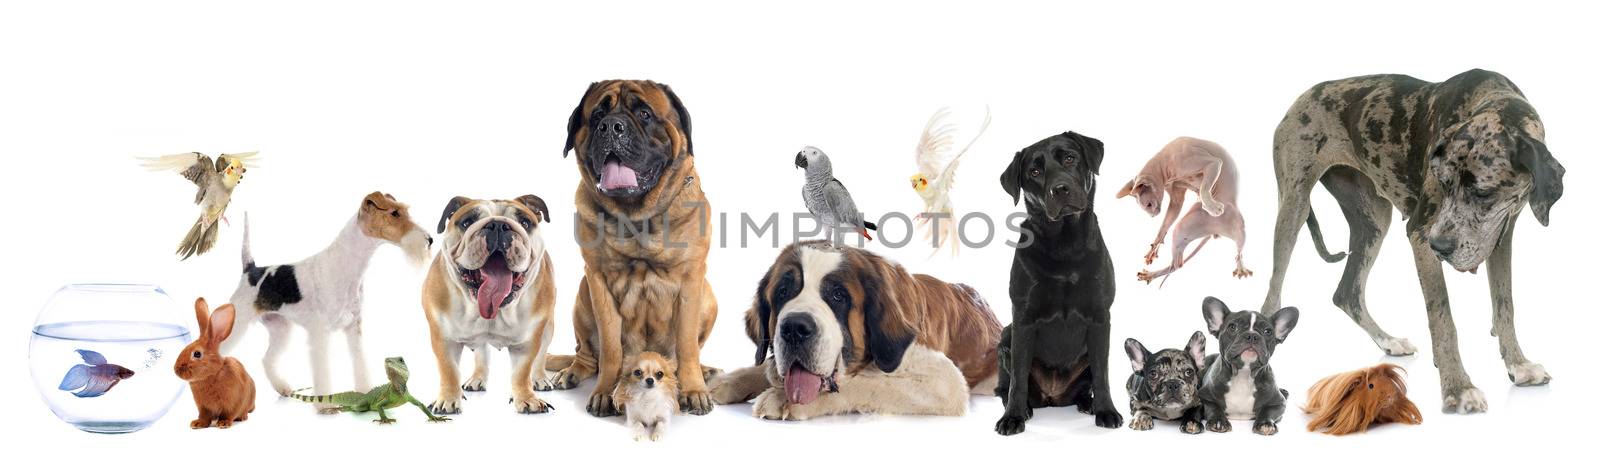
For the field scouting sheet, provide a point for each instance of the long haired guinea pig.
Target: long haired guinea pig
(223, 392)
(1354, 401)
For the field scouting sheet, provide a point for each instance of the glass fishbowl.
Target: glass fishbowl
(102, 355)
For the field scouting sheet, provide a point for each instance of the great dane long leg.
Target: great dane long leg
(1518, 368)
(1460, 396)
(1369, 218)
(1294, 204)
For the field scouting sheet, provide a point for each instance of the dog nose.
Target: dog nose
(1252, 337)
(649, 382)
(1173, 386)
(798, 328)
(497, 235)
(614, 126)
(1060, 189)
(1443, 246)
(430, 240)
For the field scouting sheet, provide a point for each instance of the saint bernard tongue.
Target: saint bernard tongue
(614, 175)
(497, 284)
(801, 386)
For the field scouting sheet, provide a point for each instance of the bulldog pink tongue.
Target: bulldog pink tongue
(496, 285)
(615, 175)
(801, 386)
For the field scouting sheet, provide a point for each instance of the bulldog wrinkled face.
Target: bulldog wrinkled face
(625, 132)
(812, 307)
(1168, 379)
(492, 245)
(1480, 190)
(1247, 338)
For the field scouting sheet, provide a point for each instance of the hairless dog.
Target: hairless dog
(1189, 164)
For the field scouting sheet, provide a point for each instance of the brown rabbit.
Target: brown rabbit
(222, 390)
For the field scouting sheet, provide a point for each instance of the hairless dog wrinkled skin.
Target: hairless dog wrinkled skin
(1459, 159)
(1189, 164)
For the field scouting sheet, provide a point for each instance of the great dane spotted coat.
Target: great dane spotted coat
(1457, 158)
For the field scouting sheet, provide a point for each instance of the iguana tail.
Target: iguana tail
(341, 399)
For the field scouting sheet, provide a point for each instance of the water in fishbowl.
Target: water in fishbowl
(107, 376)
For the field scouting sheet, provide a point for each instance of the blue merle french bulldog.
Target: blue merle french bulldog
(1164, 385)
(1238, 384)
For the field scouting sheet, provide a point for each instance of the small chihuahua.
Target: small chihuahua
(648, 395)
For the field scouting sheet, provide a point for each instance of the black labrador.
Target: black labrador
(1054, 352)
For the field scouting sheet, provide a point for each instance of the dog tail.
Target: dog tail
(1316, 238)
(244, 247)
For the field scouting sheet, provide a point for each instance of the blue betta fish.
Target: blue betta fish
(95, 378)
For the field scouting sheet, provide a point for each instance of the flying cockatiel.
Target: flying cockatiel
(826, 197)
(936, 167)
(215, 180)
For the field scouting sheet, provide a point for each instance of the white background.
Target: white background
(430, 101)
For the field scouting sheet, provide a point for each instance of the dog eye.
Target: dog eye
(658, 374)
(195, 355)
(638, 373)
(525, 223)
(1233, 327)
(644, 114)
(1069, 159)
(1188, 372)
(837, 294)
(1034, 173)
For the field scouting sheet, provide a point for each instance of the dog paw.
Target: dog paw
(1528, 374)
(697, 402)
(723, 392)
(446, 405)
(600, 405)
(1108, 419)
(710, 373)
(1010, 425)
(564, 380)
(1219, 426)
(1142, 422)
(770, 405)
(474, 385)
(1397, 347)
(1265, 428)
(224, 423)
(1192, 427)
(1464, 400)
(543, 385)
(530, 405)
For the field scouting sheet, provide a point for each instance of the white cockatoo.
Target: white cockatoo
(215, 181)
(936, 165)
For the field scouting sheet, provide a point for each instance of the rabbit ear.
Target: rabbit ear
(221, 326)
(202, 316)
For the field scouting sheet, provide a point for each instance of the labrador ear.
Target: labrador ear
(1137, 354)
(1197, 349)
(575, 122)
(1283, 321)
(683, 117)
(888, 333)
(450, 210)
(535, 203)
(1093, 150)
(1215, 313)
(1535, 158)
(758, 320)
(1011, 179)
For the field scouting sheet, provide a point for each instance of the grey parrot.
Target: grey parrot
(826, 197)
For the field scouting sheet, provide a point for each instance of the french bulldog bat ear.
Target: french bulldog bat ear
(575, 122)
(221, 327)
(1011, 179)
(758, 320)
(1137, 354)
(1534, 157)
(535, 203)
(1284, 321)
(683, 118)
(889, 335)
(450, 210)
(1197, 349)
(1215, 313)
(1093, 150)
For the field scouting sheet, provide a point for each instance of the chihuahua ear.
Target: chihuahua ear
(1137, 354)
(1011, 179)
(1197, 349)
(450, 210)
(1216, 313)
(221, 327)
(1283, 321)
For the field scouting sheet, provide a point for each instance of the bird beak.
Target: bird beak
(800, 160)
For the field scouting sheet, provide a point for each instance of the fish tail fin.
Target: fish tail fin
(77, 377)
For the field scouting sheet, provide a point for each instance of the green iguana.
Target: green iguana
(389, 395)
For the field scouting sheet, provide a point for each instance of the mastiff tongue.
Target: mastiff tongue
(617, 176)
(496, 285)
(800, 386)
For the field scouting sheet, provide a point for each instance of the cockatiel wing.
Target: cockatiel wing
(246, 159)
(838, 202)
(933, 149)
(947, 178)
(195, 167)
